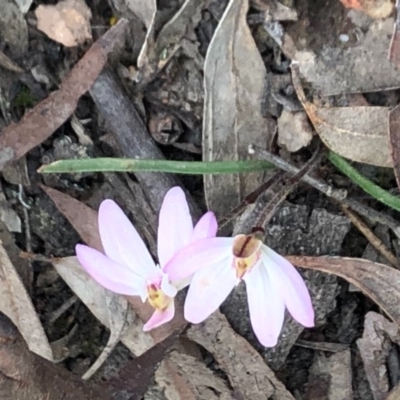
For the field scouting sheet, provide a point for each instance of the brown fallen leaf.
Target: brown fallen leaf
(248, 374)
(67, 22)
(378, 9)
(232, 106)
(39, 123)
(77, 213)
(358, 133)
(330, 377)
(374, 348)
(377, 281)
(16, 303)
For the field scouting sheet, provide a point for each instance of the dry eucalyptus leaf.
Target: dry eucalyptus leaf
(377, 281)
(68, 22)
(248, 374)
(374, 348)
(98, 299)
(335, 372)
(234, 79)
(358, 133)
(294, 130)
(17, 305)
(147, 54)
(13, 28)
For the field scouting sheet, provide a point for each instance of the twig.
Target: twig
(336, 194)
(372, 238)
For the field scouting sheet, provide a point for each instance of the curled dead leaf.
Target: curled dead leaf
(377, 281)
(358, 133)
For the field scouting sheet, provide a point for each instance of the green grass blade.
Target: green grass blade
(364, 183)
(175, 167)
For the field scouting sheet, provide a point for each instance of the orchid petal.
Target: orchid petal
(121, 241)
(108, 273)
(209, 288)
(206, 227)
(266, 306)
(183, 283)
(160, 317)
(175, 225)
(291, 285)
(169, 289)
(197, 255)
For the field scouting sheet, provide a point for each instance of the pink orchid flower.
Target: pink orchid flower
(272, 283)
(127, 267)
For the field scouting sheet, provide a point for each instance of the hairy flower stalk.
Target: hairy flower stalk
(127, 267)
(219, 264)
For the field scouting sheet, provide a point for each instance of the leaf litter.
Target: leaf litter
(248, 98)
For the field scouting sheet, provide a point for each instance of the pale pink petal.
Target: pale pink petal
(291, 285)
(169, 289)
(266, 306)
(121, 241)
(183, 283)
(160, 317)
(108, 273)
(175, 225)
(206, 227)
(198, 255)
(209, 288)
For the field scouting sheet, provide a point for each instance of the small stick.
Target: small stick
(372, 238)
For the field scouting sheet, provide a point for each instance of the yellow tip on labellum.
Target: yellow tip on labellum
(157, 298)
(246, 251)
